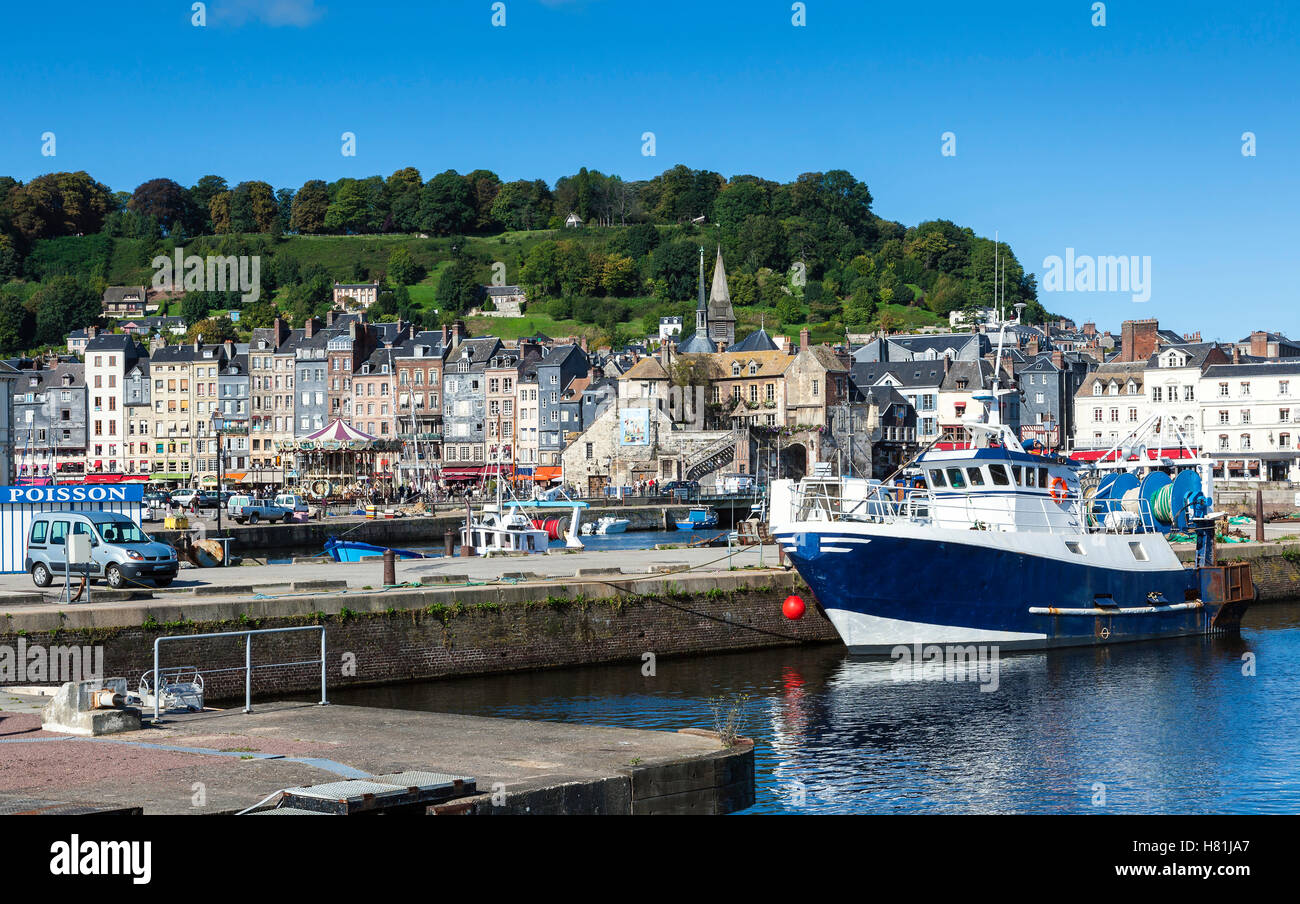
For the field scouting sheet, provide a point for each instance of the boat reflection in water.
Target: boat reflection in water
(1161, 727)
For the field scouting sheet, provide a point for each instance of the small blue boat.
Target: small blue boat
(354, 550)
(699, 519)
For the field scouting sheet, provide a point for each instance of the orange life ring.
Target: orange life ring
(1060, 489)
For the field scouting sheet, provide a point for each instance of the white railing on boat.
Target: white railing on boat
(825, 501)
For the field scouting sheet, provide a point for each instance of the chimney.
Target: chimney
(1090, 330)
(1058, 360)
(582, 343)
(803, 339)
(330, 316)
(1236, 354)
(1139, 339)
(277, 326)
(309, 327)
(1259, 344)
(230, 348)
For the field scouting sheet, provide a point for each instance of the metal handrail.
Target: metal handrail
(919, 505)
(248, 660)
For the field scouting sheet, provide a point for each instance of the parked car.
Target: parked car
(247, 509)
(120, 552)
(184, 496)
(682, 489)
(292, 501)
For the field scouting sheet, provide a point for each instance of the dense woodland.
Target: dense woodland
(808, 252)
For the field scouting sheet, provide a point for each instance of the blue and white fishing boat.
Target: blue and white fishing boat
(1006, 548)
(699, 518)
(355, 550)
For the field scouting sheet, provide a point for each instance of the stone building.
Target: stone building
(465, 401)
(137, 396)
(48, 412)
(634, 440)
(108, 356)
(355, 294)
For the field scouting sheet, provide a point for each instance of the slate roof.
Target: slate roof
(1254, 369)
(696, 344)
(757, 341)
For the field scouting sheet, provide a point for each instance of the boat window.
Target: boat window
(1138, 552)
(954, 477)
(1074, 547)
(1031, 478)
(936, 478)
(1015, 474)
(999, 475)
(976, 477)
(1042, 477)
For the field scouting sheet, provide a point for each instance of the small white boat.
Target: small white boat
(502, 531)
(606, 525)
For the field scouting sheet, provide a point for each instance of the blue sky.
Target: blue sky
(1116, 140)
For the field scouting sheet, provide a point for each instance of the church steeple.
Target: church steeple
(720, 313)
(702, 308)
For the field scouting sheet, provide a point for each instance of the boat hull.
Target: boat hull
(354, 551)
(1015, 591)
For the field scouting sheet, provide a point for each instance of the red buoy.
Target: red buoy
(793, 608)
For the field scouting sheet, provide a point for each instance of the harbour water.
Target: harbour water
(1172, 726)
(641, 539)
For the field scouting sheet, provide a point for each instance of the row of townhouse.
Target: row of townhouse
(1243, 414)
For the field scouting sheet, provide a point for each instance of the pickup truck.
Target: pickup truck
(247, 509)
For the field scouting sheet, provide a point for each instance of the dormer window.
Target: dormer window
(1096, 389)
(1132, 388)
(753, 368)
(735, 368)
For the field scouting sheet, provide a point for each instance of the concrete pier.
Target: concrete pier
(223, 762)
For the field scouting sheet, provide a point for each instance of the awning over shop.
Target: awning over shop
(169, 475)
(115, 478)
(1152, 454)
(236, 476)
(548, 472)
(466, 473)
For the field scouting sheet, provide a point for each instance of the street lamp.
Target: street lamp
(218, 421)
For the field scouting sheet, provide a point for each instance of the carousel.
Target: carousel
(340, 461)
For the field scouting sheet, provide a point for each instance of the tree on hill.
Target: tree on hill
(310, 206)
(213, 330)
(401, 270)
(62, 305)
(163, 199)
(16, 324)
(458, 287)
(59, 204)
(446, 205)
(523, 205)
(403, 189)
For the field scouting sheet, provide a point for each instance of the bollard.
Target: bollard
(1259, 516)
(390, 568)
(449, 543)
